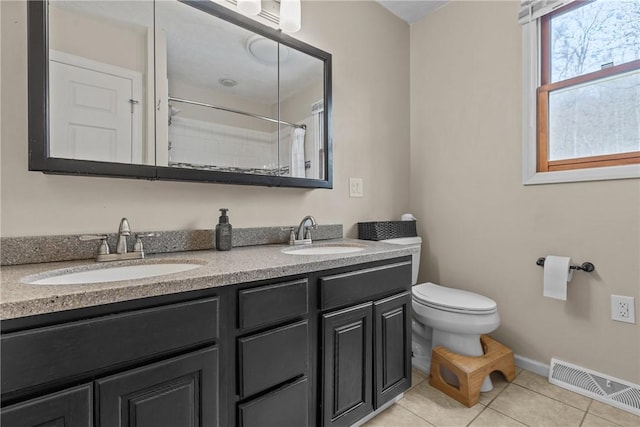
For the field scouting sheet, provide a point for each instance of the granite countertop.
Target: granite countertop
(245, 264)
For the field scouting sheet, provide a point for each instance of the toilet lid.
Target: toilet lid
(450, 299)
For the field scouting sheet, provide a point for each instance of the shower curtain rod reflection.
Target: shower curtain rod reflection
(231, 110)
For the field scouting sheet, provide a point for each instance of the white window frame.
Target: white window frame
(530, 83)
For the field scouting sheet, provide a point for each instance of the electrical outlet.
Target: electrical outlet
(623, 309)
(356, 187)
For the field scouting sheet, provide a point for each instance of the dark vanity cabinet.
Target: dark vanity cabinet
(181, 391)
(366, 346)
(273, 355)
(324, 348)
(139, 367)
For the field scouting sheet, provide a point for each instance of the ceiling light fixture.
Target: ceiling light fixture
(227, 82)
(249, 7)
(290, 16)
(267, 51)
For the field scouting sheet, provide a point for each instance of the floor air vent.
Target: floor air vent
(612, 391)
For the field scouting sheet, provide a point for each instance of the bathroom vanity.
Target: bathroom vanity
(254, 337)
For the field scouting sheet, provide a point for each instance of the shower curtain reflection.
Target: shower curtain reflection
(297, 153)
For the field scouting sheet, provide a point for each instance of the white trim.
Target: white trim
(149, 143)
(531, 10)
(531, 365)
(530, 82)
(90, 64)
(579, 175)
(161, 103)
(136, 91)
(317, 119)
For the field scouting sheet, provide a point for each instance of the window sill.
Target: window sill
(579, 175)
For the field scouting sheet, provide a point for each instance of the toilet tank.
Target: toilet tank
(415, 258)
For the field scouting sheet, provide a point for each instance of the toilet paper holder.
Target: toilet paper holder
(586, 266)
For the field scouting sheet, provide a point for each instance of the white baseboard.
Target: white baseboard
(531, 365)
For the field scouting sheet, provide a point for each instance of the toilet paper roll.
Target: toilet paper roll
(556, 276)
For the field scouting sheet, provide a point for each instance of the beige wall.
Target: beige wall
(483, 228)
(370, 136)
(99, 39)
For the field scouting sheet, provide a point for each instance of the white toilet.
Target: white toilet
(449, 317)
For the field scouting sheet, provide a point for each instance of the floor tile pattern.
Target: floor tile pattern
(530, 400)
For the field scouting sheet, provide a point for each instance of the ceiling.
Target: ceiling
(202, 49)
(411, 10)
(211, 44)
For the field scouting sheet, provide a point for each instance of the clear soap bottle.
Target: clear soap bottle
(223, 232)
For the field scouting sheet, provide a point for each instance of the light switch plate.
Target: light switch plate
(356, 187)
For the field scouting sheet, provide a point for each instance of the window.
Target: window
(587, 90)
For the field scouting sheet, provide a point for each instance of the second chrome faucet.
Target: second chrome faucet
(303, 236)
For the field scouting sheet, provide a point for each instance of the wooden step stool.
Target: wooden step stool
(471, 370)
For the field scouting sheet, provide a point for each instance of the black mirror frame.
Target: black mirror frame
(38, 112)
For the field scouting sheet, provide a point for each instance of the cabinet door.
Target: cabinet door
(182, 391)
(392, 329)
(68, 408)
(346, 363)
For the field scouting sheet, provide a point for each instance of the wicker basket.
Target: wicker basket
(382, 230)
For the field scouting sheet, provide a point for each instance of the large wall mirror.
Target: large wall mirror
(175, 90)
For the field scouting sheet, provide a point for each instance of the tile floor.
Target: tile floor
(528, 401)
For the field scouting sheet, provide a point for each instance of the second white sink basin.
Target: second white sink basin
(110, 274)
(323, 249)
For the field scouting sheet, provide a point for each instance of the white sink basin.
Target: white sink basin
(108, 274)
(323, 249)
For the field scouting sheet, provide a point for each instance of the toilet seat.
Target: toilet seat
(452, 300)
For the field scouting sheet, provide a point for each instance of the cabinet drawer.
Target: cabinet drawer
(288, 406)
(269, 304)
(272, 357)
(364, 285)
(42, 355)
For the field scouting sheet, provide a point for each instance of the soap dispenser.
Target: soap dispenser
(223, 232)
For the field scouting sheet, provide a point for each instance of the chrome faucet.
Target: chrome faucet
(122, 253)
(123, 231)
(303, 237)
